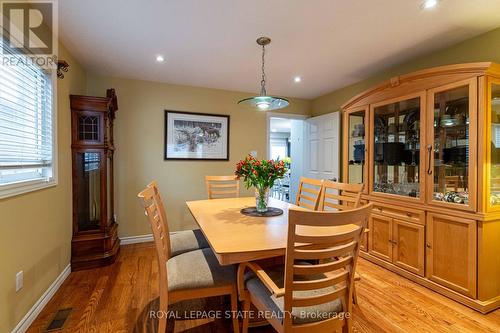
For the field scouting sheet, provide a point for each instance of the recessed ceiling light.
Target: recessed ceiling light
(428, 4)
(297, 79)
(160, 58)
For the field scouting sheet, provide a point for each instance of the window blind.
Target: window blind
(26, 138)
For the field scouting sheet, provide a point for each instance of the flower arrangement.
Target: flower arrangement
(260, 174)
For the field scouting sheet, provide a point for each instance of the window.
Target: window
(26, 129)
(279, 148)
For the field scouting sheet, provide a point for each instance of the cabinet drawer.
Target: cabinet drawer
(409, 215)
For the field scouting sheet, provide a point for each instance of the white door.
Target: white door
(322, 149)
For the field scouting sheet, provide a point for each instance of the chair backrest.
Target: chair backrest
(340, 196)
(308, 193)
(222, 187)
(332, 239)
(161, 206)
(155, 211)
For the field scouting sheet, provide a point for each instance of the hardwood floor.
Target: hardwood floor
(118, 298)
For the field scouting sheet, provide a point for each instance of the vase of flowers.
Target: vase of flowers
(260, 174)
(261, 199)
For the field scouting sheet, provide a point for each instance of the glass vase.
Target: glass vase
(261, 199)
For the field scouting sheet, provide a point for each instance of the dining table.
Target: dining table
(236, 238)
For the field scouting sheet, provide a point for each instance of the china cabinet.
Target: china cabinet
(95, 240)
(427, 147)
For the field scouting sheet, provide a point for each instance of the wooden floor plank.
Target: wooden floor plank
(118, 298)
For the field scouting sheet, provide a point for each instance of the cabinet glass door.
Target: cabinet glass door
(88, 167)
(356, 152)
(494, 158)
(396, 148)
(451, 145)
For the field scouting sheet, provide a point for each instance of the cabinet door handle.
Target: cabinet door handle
(429, 156)
(428, 246)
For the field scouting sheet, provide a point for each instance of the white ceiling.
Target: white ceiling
(211, 43)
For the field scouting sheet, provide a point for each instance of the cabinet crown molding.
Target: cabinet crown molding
(429, 78)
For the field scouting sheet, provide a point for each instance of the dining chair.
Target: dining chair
(305, 297)
(222, 187)
(190, 275)
(339, 196)
(308, 193)
(180, 241)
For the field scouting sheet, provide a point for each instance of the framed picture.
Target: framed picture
(196, 136)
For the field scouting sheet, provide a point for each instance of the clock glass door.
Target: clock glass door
(88, 175)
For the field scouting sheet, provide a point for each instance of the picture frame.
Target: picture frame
(196, 136)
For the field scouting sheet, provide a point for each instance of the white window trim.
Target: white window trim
(23, 187)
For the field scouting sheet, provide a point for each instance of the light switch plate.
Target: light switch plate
(19, 280)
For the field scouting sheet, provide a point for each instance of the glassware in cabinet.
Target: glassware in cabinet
(451, 153)
(396, 148)
(356, 146)
(494, 165)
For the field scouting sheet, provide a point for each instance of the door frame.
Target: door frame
(270, 115)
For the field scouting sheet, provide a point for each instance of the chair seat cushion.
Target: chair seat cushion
(300, 315)
(187, 240)
(198, 269)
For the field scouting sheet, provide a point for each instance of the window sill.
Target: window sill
(14, 189)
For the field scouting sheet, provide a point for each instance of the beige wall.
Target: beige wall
(139, 145)
(481, 48)
(35, 228)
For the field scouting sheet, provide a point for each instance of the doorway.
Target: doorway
(311, 147)
(286, 142)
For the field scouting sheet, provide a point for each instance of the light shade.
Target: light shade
(264, 103)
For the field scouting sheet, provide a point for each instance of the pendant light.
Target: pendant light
(263, 102)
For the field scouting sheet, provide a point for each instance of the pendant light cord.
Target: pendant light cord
(263, 81)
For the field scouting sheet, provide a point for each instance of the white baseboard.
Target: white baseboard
(28, 319)
(136, 239)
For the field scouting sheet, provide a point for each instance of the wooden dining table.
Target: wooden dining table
(237, 238)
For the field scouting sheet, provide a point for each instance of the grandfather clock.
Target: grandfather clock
(95, 240)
